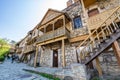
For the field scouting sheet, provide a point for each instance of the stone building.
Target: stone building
(80, 33)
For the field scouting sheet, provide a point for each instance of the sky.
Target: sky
(17, 17)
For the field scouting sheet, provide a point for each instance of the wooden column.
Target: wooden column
(116, 49)
(77, 56)
(98, 66)
(85, 15)
(36, 55)
(53, 25)
(83, 7)
(63, 53)
(63, 21)
(45, 29)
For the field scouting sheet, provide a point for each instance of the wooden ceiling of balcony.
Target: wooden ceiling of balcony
(49, 28)
(57, 24)
(87, 3)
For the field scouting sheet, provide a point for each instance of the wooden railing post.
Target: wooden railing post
(116, 49)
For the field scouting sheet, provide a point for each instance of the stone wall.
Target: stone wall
(70, 56)
(73, 11)
(46, 57)
(31, 58)
(109, 64)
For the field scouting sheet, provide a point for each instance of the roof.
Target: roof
(50, 14)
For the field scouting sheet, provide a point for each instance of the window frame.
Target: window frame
(81, 26)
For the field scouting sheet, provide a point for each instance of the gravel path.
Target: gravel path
(13, 71)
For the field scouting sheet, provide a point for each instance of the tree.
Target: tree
(13, 42)
(3, 42)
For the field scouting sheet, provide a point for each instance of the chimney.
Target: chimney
(70, 2)
(76, 1)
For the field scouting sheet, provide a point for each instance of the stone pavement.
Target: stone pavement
(13, 71)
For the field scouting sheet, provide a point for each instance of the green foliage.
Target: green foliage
(4, 49)
(49, 76)
(96, 78)
(13, 42)
(2, 58)
(3, 52)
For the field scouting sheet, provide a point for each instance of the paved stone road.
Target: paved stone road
(13, 71)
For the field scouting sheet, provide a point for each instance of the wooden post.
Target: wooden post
(116, 49)
(45, 29)
(36, 55)
(98, 66)
(53, 27)
(83, 7)
(63, 53)
(86, 16)
(63, 21)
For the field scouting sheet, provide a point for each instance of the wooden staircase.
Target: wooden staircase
(101, 38)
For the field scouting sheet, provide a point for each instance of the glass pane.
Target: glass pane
(77, 23)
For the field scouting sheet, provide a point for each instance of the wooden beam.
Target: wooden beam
(98, 66)
(78, 38)
(52, 41)
(63, 53)
(36, 55)
(51, 21)
(116, 49)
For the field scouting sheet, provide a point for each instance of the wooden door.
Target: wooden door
(93, 12)
(55, 58)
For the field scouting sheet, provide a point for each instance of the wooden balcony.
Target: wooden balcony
(29, 48)
(60, 32)
(19, 50)
(97, 20)
(31, 40)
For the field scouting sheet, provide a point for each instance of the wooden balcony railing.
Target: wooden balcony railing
(62, 31)
(29, 38)
(98, 19)
(28, 49)
(19, 50)
(32, 40)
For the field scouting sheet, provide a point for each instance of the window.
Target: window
(77, 22)
(93, 12)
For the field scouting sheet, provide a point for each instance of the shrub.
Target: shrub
(49, 76)
(2, 58)
(96, 78)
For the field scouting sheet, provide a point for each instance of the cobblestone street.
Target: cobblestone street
(13, 71)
